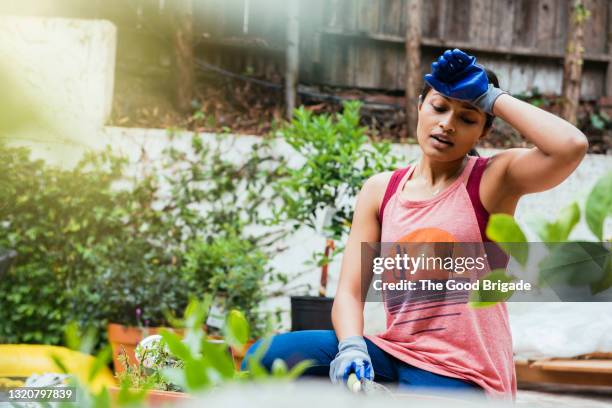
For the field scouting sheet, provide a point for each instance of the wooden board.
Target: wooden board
(583, 366)
(565, 371)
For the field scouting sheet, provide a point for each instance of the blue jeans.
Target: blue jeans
(321, 346)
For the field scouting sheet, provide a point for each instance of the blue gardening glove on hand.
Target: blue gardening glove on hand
(456, 75)
(352, 357)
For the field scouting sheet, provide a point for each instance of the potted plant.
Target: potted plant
(170, 368)
(320, 193)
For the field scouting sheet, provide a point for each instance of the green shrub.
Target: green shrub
(52, 218)
(95, 245)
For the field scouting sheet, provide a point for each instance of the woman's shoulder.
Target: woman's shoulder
(374, 188)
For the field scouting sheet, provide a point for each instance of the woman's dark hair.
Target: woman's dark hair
(489, 121)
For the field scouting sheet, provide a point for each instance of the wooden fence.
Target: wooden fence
(360, 43)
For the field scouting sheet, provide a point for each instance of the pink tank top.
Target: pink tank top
(446, 337)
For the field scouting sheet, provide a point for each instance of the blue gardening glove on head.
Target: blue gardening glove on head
(456, 75)
(352, 357)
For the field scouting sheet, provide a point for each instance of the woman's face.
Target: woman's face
(447, 128)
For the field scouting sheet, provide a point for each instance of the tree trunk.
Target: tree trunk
(329, 247)
(183, 48)
(291, 73)
(572, 65)
(413, 64)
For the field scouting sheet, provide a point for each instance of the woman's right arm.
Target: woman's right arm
(347, 312)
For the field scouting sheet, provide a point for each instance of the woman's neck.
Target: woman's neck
(435, 172)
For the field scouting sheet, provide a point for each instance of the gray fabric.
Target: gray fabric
(486, 101)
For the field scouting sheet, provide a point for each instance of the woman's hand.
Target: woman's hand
(352, 357)
(456, 75)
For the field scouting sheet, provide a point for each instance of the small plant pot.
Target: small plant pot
(127, 338)
(311, 313)
(156, 398)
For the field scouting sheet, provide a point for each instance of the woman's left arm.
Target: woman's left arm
(559, 147)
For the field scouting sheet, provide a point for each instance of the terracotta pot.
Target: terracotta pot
(157, 398)
(127, 338)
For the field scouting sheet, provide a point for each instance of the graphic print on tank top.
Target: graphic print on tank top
(431, 296)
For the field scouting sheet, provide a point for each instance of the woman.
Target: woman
(447, 195)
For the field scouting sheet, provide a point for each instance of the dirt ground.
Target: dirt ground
(236, 106)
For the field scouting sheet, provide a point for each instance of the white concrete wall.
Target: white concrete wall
(65, 69)
(302, 244)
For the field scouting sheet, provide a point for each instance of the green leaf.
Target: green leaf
(484, 298)
(279, 368)
(219, 358)
(299, 369)
(102, 359)
(59, 363)
(196, 374)
(175, 376)
(72, 336)
(504, 230)
(606, 282)
(128, 396)
(176, 346)
(101, 399)
(561, 228)
(236, 328)
(567, 220)
(574, 264)
(597, 121)
(599, 205)
(253, 361)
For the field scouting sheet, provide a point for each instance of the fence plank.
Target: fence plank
(595, 31)
(391, 17)
(561, 24)
(502, 22)
(370, 56)
(348, 15)
(480, 21)
(545, 27)
(457, 20)
(367, 15)
(432, 15)
(332, 13)
(525, 23)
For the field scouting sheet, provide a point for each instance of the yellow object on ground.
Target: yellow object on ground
(23, 360)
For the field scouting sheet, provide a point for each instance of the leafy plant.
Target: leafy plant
(336, 163)
(576, 263)
(147, 373)
(196, 363)
(99, 243)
